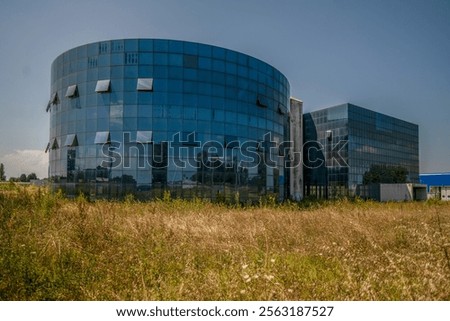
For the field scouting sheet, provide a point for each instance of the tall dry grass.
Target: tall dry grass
(52, 248)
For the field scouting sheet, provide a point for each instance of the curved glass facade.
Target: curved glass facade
(143, 116)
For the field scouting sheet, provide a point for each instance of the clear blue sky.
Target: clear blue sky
(392, 56)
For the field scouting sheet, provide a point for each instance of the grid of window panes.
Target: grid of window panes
(363, 138)
(325, 152)
(121, 90)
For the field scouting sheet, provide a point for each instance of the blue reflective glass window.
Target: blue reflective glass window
(102, 112)
(116, 97)
(145, 98)
(160, 85)
(190, 87)
(242, 59)
(91, 100)
(130, 111)
(231, 80)
(189, 125)
(131, 45)
(131, 72)
(174, 125)
(217, 103)
(218, 129)
(116, 111)
(205, 76)
(117, 59)
(204, 101)
(218, 52)
(218, 78)
(175, 46)
(175, 85)
(204, 50)
(103, 60)
(145, 45)
(231, 129)
(204, 88)
(102, 124)
(175, 72)
(91, 113)
(129, 84)
(232, 56)
(158, 112)
(253, 121)
(242, 72)
(242, 120)
(204, 114)
(204, 63)
(161, 59)
(231, 68)
(80, 126)
(159, 124)
(175, 99)
(130, 98)
(117, 72)
(116, 123)
(92, 73)
(145, 71)
(92, 49)
(104, 73)
(130, 123)
(190, 74)
(204, 126)
(218, 65)
(146, 58)
(219, 115)
(144, 111)
(189, 113)
(161, 45)
(190, 48)
(175, 112)
(231, 117)
(160, 72)
(91, 125)
(144, 123)
(81, 77)
(190, 99)
(190, 61)
(175, 59)
(81, 52)
(218, 90)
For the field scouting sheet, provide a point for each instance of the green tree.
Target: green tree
(2, 172)
(23, 178)
(32, 176)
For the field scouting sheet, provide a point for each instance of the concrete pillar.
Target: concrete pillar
(296, 153)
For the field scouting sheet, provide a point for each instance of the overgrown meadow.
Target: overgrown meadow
(52, 248)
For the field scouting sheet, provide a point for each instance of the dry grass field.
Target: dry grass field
(52, 248)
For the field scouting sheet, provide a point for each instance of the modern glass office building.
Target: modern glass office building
(144, 116)
(342, 143)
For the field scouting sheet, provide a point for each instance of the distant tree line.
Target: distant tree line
(24, 178)
(385, 174)
(21, 178)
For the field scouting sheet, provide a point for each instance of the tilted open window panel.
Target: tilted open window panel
(144, 137)
(72, 91)
(145, 84)
(71, 141)
(103, 86)
(102, 138)
(55, 144)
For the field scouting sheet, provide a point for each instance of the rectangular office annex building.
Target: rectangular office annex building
(342, 143)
